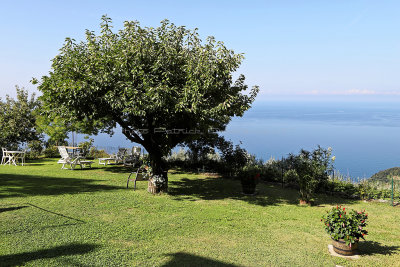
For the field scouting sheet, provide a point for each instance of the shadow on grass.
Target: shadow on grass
(55, 213)
(40, 162)
(39, 228)
(12, 208)
(373, 248)
(19, 185)
(66, 250)
(179, 171)
(185, 259)
(79, 169)
(27, 229)
(118, 169)
(214, 188)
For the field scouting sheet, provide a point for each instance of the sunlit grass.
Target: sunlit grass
(54, 217)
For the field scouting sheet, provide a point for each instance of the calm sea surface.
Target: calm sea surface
(364, 136)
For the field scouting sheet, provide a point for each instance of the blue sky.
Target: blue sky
(292, 48)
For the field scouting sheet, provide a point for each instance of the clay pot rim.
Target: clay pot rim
(341, 240)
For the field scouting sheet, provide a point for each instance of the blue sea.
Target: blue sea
(364, 135)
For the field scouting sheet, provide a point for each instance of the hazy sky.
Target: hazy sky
(296, 48)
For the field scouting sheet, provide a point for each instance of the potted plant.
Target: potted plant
(249, 178)
(157, 183)
(345, 228)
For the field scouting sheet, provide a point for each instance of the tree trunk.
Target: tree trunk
(155, 155)
(159, 169)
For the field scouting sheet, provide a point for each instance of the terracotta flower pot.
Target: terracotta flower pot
(154, 189)
(341, 248)
(303, 202)
(306, 202)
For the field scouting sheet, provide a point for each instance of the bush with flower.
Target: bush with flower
(158, 180)
(346, 225)
(147, 170)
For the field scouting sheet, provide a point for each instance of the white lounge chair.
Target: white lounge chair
(122, 153)
(133, 159)
(66, 159)
(107, 161)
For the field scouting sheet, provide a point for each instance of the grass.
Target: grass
(54, 217)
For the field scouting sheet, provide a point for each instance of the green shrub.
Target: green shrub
(345, 188)
(250, 171)
(94, 153)
(234, 158)
(365, 190)
(86, 146)
(291, 177)
(35, 149)
(51, 152)
(312, 169)
(270, 173)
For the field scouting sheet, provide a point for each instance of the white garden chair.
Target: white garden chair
(21, 157)
(6, 157)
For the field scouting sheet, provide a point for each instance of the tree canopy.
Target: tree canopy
(18, 120)
(162, 85)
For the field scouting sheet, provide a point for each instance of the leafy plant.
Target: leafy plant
(95, 153)
(250, 174)
(86, 146)
(342, 187)
(290, 177)
(35, 149)
(349, 226)
(272, 170)
(312, 169)
(234, 157)
(51, 152)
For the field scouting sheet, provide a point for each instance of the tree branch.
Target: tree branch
(127, 131)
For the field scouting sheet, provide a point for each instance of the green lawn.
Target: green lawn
(54, 217)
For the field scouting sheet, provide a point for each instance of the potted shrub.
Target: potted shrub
(249, 178)
(157, 184)
(345, 228)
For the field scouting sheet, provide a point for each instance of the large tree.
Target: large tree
(146, 80)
